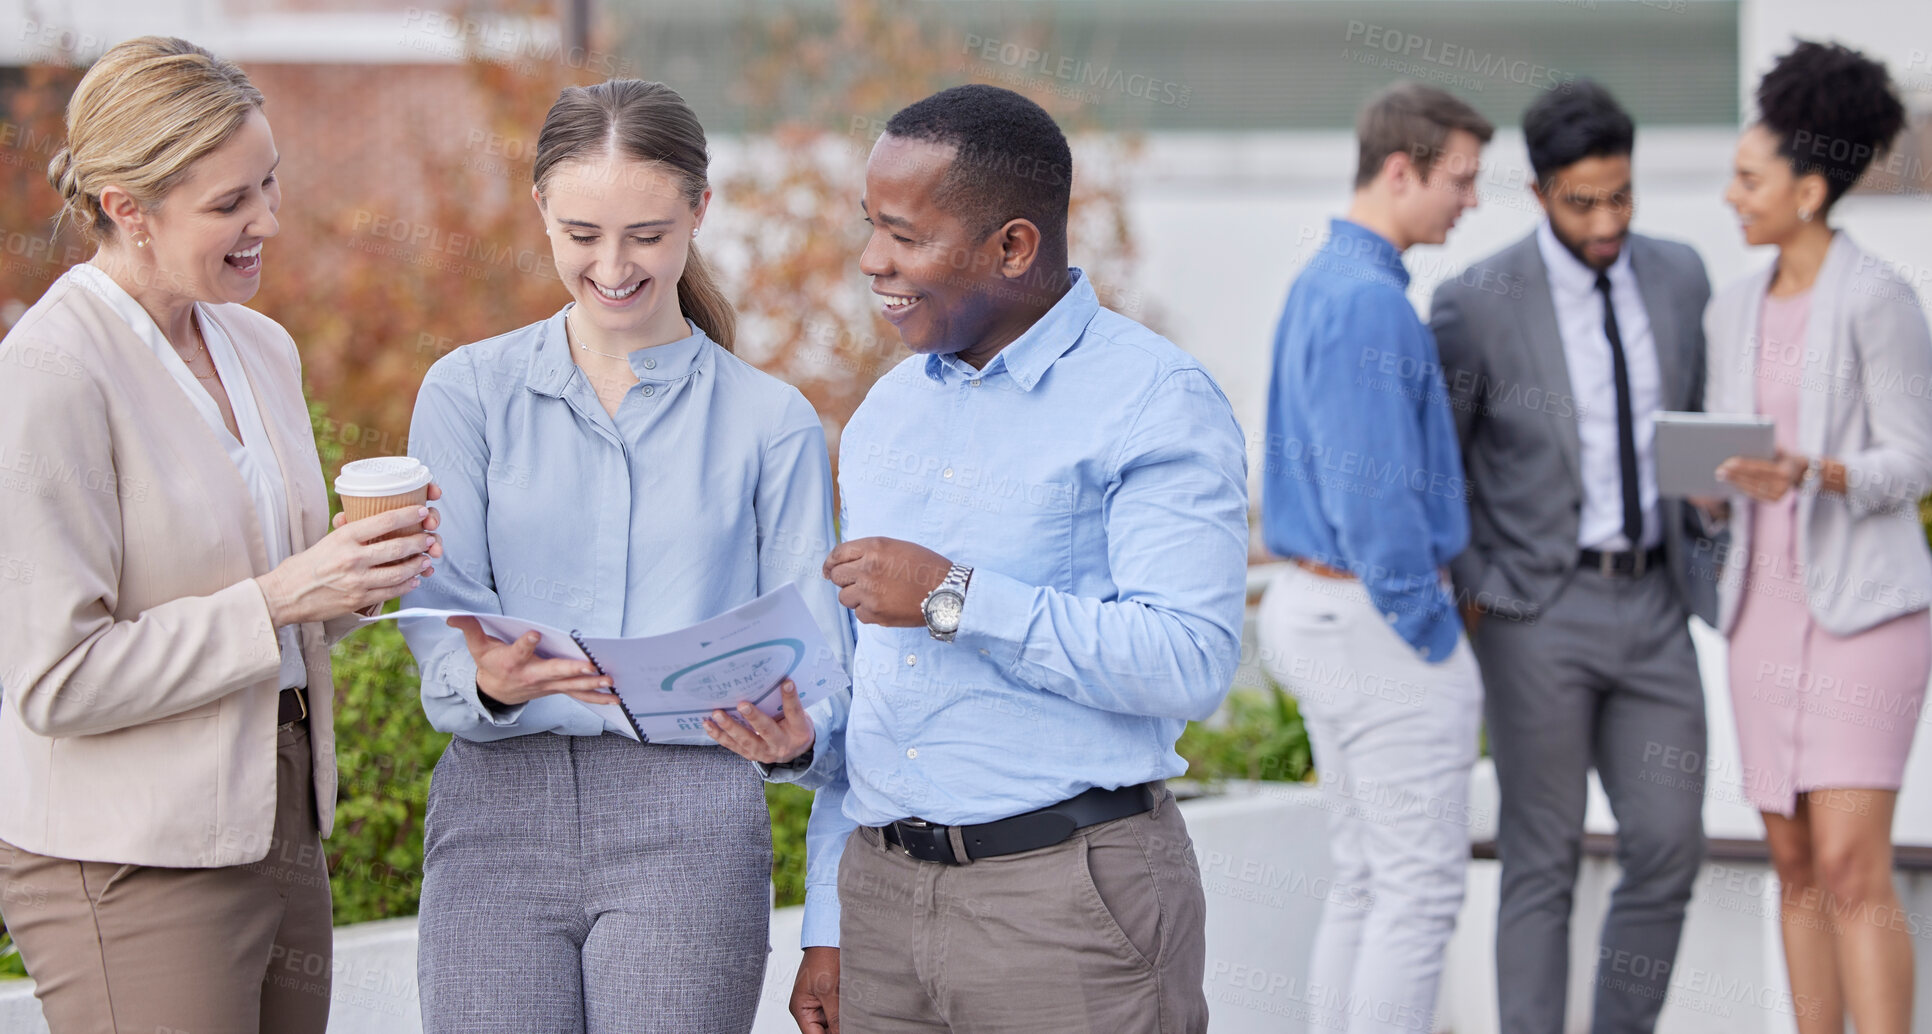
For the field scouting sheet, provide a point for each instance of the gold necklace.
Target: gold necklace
(572, 338)
(201, 349)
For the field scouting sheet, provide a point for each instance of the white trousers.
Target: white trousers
(1393, 738)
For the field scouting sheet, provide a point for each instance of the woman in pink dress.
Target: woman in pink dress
(1825, 587)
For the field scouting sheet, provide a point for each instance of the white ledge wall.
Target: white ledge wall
(1263, 850)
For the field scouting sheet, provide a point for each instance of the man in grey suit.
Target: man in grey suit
(1558, 352)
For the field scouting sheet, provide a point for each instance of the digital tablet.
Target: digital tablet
(1690, 446)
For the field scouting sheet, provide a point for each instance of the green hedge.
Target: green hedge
(385, 751)
(790, 808)
(1260, 736)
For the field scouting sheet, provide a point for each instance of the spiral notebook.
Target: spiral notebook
(667, 684)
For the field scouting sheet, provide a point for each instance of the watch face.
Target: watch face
(942, 611)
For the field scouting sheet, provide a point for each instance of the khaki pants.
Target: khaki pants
(1101, 933)
(118, 949)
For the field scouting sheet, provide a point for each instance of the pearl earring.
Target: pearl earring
(143, 242)
(1804, 215)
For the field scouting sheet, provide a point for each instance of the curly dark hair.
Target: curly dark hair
(1833, 111)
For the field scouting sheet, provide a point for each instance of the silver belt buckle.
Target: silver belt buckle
(1607, 563)
(905, 847)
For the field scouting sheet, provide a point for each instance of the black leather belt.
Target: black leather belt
(1028, 831)
(1628, 564)
(293, 708)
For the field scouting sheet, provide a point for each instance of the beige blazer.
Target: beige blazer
(138, 668)
(1866, 400)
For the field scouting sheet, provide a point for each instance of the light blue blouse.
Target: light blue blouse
(710, 486)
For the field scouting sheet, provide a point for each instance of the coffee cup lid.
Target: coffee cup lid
(381, 475)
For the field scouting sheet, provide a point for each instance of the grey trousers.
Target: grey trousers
(590, 884)
(1101, 934)
(1606, 677)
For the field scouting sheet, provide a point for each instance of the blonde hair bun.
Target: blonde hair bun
(141, 117)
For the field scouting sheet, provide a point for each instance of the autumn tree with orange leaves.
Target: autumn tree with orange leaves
(800, 294)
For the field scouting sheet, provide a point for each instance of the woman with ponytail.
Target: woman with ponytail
(617, 470)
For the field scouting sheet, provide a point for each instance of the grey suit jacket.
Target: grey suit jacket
(1509, 386)
(1862, 401)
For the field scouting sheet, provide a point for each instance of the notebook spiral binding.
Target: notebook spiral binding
(578, 638)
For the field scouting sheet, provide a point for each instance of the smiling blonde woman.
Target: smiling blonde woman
(165, 744)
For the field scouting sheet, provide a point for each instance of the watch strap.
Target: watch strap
(958, 577)
(797, 764)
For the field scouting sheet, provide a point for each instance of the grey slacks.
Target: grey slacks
(141, 949)
(592, 885)
(1606, 677)
(1101, 934)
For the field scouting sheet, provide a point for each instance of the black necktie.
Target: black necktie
(1633, 510)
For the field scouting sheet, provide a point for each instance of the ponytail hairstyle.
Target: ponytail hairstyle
(141, 117)
(645, 122)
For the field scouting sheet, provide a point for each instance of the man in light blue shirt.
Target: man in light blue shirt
(1045, 525)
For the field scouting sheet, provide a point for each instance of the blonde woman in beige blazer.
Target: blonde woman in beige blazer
(169, 584)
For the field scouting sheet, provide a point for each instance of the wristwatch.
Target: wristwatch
(797, 764)
(943, 604)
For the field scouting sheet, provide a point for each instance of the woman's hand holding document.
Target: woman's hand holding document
(657, 688)
(510, 673)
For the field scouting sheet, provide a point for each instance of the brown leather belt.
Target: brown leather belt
(293, 708)
(1321, 570)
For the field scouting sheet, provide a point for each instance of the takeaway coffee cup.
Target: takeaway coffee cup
(372, 486)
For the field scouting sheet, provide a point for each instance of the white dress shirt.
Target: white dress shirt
(1586, 350)
(253, 455)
